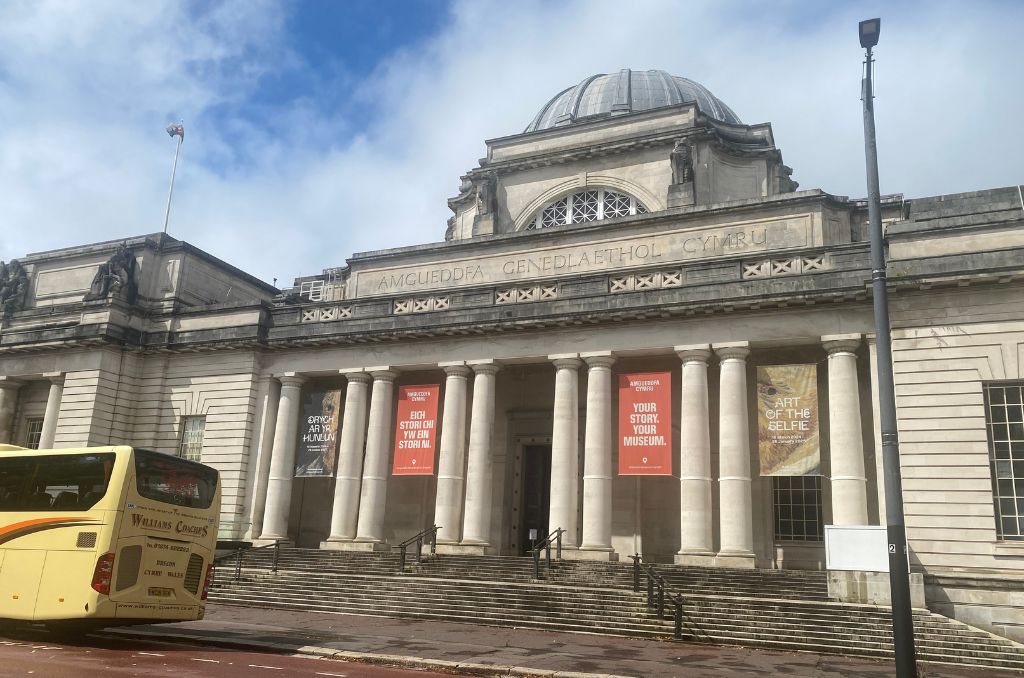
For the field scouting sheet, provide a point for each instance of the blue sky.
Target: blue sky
(319, 129)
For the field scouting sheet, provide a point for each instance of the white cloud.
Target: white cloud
(285, 190)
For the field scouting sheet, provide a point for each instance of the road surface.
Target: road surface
(38, 654)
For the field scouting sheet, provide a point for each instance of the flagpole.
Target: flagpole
(174, 168)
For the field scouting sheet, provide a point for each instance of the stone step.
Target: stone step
(807, 622)
(846, 644)
(782, 610)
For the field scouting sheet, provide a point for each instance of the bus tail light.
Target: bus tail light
(103, 573)
(208, 582)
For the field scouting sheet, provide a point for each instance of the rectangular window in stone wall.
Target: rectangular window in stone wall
(797, 505)
(192, 438)
(33, 432)
(1004, 411)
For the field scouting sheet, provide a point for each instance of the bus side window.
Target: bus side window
(66, 500)
(40, 500)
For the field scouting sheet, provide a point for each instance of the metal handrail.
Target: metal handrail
(556, 535)
(239, 554)
(657, 600)
(419, 539)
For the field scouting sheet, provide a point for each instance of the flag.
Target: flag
(176, 129)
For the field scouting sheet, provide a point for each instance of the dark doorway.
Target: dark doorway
(536, 495)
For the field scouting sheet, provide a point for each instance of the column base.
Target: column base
(265, 541)
(737, 559)
(695, 558)
(356, 546)
(597, 553)
(334, 544)
(471, 549)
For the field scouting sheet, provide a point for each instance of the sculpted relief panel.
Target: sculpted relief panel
(603, 255)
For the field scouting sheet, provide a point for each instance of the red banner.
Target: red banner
(416, 430)
(645, 424)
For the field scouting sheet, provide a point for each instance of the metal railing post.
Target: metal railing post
(650, 590)
(536, 563)
(661, 600)
(559, 538)
(678, 601)
(238, 566)
(547, 556)
(277, 554)
(401, 558)
(636, 573)
(419, 550)
(433, 540)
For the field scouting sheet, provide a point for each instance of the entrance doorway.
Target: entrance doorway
(536, 495)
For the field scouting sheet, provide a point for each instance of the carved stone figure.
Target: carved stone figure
(682, 163)
(13, 287)
(115, 277)
(485, 196)
(785, 180)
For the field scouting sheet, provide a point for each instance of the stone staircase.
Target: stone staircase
(772, 609)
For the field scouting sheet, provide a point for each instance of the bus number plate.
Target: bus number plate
(161, 592)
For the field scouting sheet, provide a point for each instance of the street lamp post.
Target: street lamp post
(899, 575)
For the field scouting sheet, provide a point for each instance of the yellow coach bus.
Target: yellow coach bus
(105, 535)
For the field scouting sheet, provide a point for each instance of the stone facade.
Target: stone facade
(684, 247)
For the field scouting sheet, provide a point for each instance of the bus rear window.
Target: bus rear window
(170, 480)
(57, 482)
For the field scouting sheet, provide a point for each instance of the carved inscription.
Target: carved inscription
(609, 255)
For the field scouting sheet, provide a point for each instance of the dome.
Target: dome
(624, 92)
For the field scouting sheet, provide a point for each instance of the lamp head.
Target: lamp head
(869, 30)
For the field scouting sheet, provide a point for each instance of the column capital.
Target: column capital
(603, 359)
(484, 366)
(567, 361)
(733, 350)
(54, 377)
(693, 352)
(455, 369)
(357, 377)
(840, 343)
(383, 374)
(10, 383)
(290, 379)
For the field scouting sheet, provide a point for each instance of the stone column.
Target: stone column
(282, 459)
(597, 455)
(263, 443)
(49, 432)
(373, 493)
(8, 404)
(565, 449)
(736, 543)
(846, 442)
(451, 462)
(477, 521)
(350, 458)
(876, 429)
(696, 542)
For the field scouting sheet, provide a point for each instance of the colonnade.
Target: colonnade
(9, 390)
(463, 502)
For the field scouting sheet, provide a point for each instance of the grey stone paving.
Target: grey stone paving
(466, 649)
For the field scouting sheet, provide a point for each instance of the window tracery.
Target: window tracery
(585, 206)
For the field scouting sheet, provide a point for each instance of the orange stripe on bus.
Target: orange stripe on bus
(14, 530)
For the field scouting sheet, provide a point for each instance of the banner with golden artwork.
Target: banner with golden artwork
(787, 420)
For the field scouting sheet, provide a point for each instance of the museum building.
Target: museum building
(637, 329)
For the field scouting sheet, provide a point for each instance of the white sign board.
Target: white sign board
(856, 547)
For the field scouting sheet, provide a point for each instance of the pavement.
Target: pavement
(477, 650)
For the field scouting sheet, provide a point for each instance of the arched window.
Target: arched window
(583, 206)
